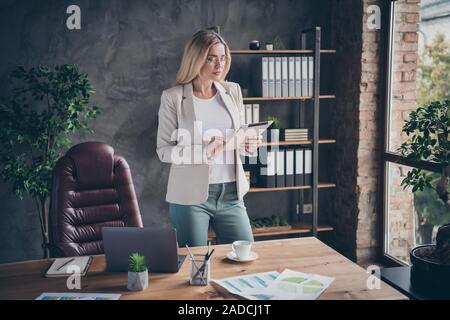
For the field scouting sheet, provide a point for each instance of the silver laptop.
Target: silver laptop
(157, 244)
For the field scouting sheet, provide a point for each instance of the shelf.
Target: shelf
(278, 51)
(303, 103)
(298, 228)
(331, 96)
(299, 142)
(320, 186)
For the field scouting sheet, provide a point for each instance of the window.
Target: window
(418, 73)
(413, 218)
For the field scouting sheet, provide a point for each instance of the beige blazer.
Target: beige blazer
(189, 180)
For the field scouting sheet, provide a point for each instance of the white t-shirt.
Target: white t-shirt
(216, 121)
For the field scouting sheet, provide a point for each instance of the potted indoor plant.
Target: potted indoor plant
(137, 273)
(272, 223)
(46, 105)
(428, 130)
(273, 133)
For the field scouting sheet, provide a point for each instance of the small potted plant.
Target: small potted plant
(428, 129)
(137, 273)
(273, 134)
(273, 223)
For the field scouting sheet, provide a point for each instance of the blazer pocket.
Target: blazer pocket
(195, 175)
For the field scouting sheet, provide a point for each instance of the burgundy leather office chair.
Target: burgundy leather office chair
(92, 188)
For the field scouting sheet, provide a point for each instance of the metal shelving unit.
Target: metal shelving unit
(316, 51)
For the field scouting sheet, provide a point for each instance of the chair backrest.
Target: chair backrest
(92, 188)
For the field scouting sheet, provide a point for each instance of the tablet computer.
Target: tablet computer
(247, 130)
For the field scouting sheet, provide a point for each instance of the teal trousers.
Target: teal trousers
(222, 211)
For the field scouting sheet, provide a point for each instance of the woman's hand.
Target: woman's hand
(214, 146)
(251, 144)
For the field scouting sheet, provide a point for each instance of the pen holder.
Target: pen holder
(200, 270)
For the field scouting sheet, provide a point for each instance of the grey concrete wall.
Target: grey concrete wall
(131, 51)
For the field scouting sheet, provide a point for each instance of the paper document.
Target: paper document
(294, 285)
(77, 296)
(251, 286)
(289, 285)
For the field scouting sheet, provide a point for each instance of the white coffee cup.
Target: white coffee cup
(242, 249)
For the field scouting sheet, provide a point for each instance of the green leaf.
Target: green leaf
(136, 263)
(44, 105)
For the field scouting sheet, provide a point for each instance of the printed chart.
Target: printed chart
(275, 286)
(77, 296)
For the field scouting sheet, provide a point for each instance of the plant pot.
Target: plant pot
(137, 281)
(428, 276)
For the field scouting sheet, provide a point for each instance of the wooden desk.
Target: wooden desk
(25, 280)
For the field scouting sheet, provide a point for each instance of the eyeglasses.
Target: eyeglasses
(215, 60)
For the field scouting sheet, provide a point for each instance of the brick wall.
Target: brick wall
(358, 125)
(370, 132)
(347, 40)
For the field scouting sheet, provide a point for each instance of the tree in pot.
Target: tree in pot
(432, 85)
(45, 106)
(430, 212)
(137, 273)
(428, 130)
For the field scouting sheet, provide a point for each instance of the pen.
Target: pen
(190, 253)
(65, 263)
(200, 271)
(209, 255)
(193, 261)
(203, 266)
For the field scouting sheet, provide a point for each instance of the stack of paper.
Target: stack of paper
(295, 134)
(289, 285)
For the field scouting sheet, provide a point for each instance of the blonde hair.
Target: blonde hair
(196, 53)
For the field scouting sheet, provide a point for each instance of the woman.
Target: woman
(206, 185)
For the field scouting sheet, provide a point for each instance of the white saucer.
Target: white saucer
(252, 256)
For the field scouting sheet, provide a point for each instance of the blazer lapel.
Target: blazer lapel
(188, 107)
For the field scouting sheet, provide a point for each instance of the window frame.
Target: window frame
(387, 155)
